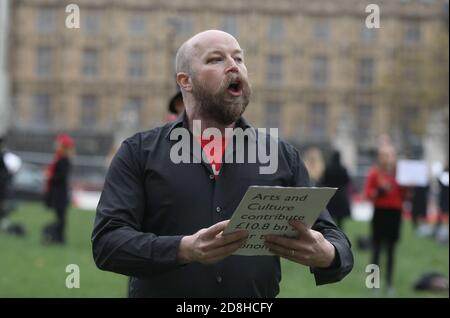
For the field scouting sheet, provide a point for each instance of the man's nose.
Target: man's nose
(232, 67)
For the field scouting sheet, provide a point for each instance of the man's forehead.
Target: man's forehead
(215, 42)
(218, 50)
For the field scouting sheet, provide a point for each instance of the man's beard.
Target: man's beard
(220, 106)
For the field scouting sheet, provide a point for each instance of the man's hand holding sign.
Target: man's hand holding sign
(309, 248)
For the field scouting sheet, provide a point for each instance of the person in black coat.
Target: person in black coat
(419, 203)
(57, 189)
(4, 178)
(442, 221)
(443, 191)
(336, 176)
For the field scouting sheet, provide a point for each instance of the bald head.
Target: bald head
(182, 59)
(196, 45)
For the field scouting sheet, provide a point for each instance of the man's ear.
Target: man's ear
(184, 81)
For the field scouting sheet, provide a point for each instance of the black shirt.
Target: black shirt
(149, 203)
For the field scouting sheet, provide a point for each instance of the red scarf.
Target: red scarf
(209, 147)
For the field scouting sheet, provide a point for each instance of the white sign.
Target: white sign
(412, 173)
(267, 210)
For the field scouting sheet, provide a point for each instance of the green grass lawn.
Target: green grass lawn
(30, 269)
(414, 257)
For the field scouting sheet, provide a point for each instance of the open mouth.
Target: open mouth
(235, 88)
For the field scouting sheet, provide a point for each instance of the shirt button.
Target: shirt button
(218, 209)
(211, 176)
(219, 279)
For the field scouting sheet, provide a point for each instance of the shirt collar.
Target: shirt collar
(181, 121)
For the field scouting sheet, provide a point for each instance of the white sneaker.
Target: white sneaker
(424, 230)
(391, 292)
(376, 292)
(442, 234)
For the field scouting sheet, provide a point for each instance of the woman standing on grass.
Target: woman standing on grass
(387, 196)
(57, 187)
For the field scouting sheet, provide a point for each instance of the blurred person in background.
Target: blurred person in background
(441, 228)
(419, 204)
(387, 197)
(418, 197)
(314, 163)
(57, 196)
(336, 176)
(10, 164)
(175, 107)
(4, 177)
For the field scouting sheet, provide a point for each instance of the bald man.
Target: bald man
(161, 222)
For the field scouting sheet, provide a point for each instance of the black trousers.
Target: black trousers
(60, 223)
(390, 247)
(386, 225)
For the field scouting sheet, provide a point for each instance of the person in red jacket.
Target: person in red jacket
(57, 195)
(387, 197)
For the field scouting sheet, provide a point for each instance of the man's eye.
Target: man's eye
(214, 60)
(238, 59)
